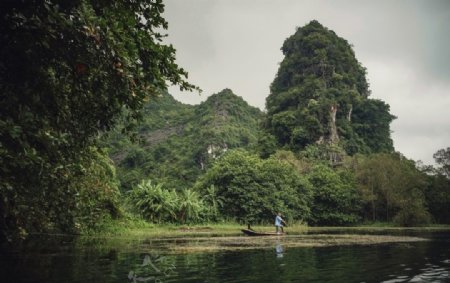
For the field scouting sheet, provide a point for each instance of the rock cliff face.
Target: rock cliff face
(178, 142)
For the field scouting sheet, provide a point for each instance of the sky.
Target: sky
(404, 44)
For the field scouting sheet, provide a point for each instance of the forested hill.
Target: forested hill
(319, 102)
(178, 142)
(320, 96)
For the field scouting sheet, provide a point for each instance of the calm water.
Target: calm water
(61, 259)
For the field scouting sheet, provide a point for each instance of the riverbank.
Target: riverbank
(139, 228)
(127, 235)
(217, 237)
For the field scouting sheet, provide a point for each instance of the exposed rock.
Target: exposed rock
(215, 151)
(334, 137)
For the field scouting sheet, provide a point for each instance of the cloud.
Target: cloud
(422, 126)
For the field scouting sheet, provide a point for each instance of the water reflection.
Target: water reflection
(124, 260)
(154, 268)
(432, 273)
(279, 250)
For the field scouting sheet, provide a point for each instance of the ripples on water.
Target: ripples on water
(432, 273)
(68, 260)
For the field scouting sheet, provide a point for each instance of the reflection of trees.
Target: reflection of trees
(110, 260)
(331, 264)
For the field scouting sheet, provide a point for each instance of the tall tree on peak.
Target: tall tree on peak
(320, 95)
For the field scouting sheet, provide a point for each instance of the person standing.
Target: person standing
(279, 223)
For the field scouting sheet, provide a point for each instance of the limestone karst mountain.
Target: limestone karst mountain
(178, 141)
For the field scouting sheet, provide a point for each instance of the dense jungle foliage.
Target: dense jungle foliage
(68, 71)
(89, 133)
(176, 143)
(320, 95)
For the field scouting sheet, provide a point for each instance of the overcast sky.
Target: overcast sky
(405, 46)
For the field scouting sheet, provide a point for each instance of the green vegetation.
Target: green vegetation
(159, 205)
(254, 190)
(437, 187)
(136, 228)
(75, 79)
(320, 95)
(392, 189)
(178, 142)
(69, 70)
(335, 196)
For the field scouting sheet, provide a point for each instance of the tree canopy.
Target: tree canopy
(68, 70)
(442, 158)
(391, 188)
(254, 190)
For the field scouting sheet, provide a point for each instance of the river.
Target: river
(67, 259)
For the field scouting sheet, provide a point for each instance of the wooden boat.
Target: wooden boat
(250, 232)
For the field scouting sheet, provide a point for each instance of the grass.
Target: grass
(130, 234)
(133, 227)
(139, 228)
